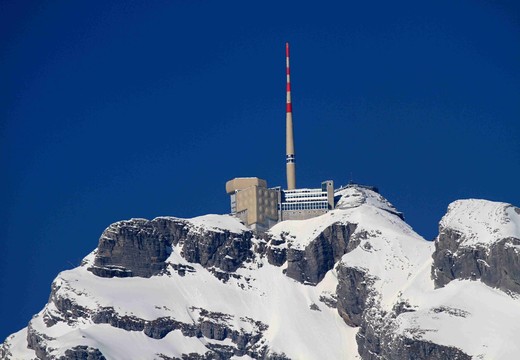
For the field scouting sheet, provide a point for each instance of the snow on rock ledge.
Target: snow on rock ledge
(479, 239)
(216, 223)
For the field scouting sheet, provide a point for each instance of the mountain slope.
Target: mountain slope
(354, 283)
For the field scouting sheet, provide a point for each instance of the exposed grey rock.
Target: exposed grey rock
(5, 350)
(402, 307)
(496, 265)
(275, 356)
(135, 247)
(330, 300)
(83, 353)
(213, 330)
(193, 356)
(140, 247)
(358, 306)
(377, 341)
(221, 351)
(182, 269)
(211, 325)
(310, 265)
(69, 311)
(159, 328)
(276, 255)
(110, 271)
(314, 307)
(37, 342)
(274, 249)
(353, 290)
(107, 315)
(224, 276)
(224, 250)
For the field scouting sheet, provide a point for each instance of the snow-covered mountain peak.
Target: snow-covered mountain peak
(482, 221)
(356, 204)
(355, 195)
(479, 239)
(354, 283)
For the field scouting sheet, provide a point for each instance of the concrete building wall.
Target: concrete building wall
(242, 183)
(246, 201)
(328, 186)
(242, 215)
(266, 205)
(301, 214)
(253, 203)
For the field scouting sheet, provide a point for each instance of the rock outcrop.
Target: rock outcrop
(311, 264)
(136, 247)
(378, 338)
(209, 325)
(139, 247)
(354, 287)
(378, 341)
(221, 249)
(488, 250)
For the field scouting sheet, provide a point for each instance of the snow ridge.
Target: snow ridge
(481, 221)
(378, 291)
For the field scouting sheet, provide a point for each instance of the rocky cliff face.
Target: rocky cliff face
(136, 247)
(355, 283)
(310, 265)
(479, 240)
(139, 247)
(353, 293)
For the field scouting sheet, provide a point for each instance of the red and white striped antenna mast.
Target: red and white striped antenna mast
(289, 141)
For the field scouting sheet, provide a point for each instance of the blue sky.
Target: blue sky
(113, 110)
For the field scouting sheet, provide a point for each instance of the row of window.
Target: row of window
(306, 199)
(306, 195)
(301, 191)
(310, 205)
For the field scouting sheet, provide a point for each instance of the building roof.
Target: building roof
(242, 183)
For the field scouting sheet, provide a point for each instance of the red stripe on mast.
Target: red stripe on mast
(288, 71)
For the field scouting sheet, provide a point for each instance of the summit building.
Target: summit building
(260, 207)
